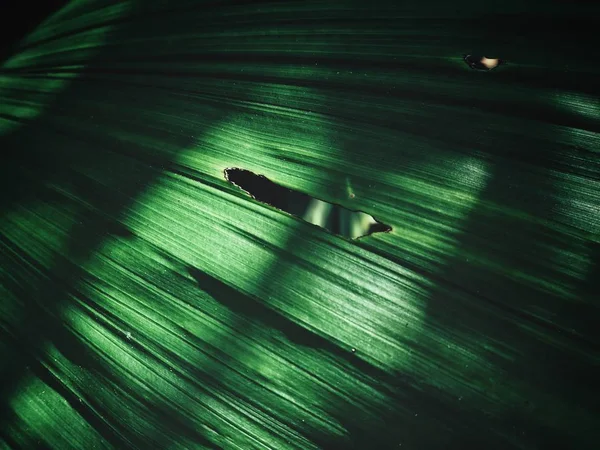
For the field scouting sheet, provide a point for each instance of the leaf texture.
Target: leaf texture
(148, 303)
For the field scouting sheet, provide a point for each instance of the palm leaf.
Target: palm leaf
(149, 303)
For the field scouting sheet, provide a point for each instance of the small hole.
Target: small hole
(334, 218)
(482, 63)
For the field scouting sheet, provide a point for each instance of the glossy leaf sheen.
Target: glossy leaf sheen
(148, 303)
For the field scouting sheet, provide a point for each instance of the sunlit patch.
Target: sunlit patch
(482, 62)
(48, 418)
(334, 218)
(584, 107)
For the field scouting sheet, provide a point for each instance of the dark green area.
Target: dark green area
(148, 303)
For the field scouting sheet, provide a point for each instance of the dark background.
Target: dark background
(20, 17)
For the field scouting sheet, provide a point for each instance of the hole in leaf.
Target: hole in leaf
(482, 63)
(334, 218)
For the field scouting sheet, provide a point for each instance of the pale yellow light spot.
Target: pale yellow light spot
(490, 63)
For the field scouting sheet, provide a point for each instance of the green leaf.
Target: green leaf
(149, 303)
